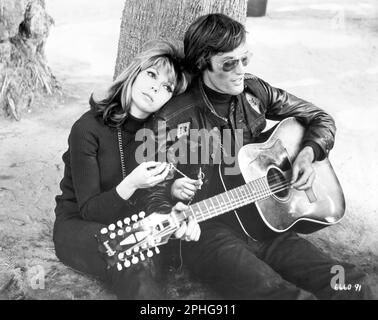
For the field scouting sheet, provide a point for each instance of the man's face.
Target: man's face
(230, 82)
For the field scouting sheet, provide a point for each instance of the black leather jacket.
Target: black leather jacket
(193, 110)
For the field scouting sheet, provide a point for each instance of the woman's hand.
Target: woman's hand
(189, 231)
(146, 175)
(303, 173)
(184, 188)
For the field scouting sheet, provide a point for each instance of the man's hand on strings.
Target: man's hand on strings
(303, 173)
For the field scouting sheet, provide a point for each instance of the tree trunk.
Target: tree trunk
(24, 74)
(144, 20)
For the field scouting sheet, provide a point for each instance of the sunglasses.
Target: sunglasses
(231, 64)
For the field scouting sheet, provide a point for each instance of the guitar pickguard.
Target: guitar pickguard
(276, 155)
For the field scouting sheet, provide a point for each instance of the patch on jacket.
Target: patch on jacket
(254, 102)
(183, 129)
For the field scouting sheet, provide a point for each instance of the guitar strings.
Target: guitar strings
(246, 198)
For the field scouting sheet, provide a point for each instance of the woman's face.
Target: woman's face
(150, 91)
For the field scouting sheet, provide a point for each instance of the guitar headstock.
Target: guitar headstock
(134, 239)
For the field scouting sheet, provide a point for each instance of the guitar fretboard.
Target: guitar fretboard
(230, 200)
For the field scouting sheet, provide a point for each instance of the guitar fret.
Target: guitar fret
(207, 208)
(209, 205)
(266, 184)
(247, 194)
(258, 186)
(202, 211)
(191, 209)
(219, 200)
(232, 195)
(237, 196)
(211, 200)
(216, 198)
(240, 194)
(198, 210)
(228, 205)
(265, 190)
(251, 191)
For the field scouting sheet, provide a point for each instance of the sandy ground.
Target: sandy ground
(323, 51)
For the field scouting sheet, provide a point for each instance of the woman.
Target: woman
(102, 180)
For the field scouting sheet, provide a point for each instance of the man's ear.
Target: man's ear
(203, 64)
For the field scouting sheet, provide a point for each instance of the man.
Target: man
(224, 98)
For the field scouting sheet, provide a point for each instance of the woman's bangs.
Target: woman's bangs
(164, 65)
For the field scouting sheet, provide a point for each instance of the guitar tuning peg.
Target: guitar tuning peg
(112, 235)
(126, 220)
(128, 252)
(149, 253)
(134, 260)
(134, 217)
(135, 225)
(112, 227)
(144, 246)
(120, 232)
(104, 231)
(119, 266)
(142, 214)
(136, 249)
(127, 263)
(119, 223)
(121, 256)
(142, 257)
(157, 250)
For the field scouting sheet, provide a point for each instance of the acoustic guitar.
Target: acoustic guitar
(266, 169)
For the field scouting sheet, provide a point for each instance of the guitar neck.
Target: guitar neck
(229, 200)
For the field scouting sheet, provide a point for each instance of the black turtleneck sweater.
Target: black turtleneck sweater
(220, 101)
(93, 170)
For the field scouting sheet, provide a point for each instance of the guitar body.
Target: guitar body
(286, 208)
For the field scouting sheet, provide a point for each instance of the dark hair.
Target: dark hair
(114, 107)
(209, 35)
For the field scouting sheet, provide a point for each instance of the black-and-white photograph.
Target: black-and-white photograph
(188, 150)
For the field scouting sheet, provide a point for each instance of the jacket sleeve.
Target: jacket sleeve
(320, 126)
(158, 198)
(94, 204)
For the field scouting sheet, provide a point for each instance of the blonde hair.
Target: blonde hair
(161, 54)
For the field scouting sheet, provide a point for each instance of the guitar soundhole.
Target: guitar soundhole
(278, 183)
